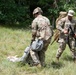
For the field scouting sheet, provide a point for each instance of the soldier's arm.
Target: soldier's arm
(51, 28)
(60, 25)
(75, 30)
(34, 29)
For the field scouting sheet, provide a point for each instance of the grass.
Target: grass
(13, 41)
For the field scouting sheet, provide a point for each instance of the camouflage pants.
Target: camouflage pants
(62, 46)
(39, 57)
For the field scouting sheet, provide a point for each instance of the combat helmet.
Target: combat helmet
(36, 10)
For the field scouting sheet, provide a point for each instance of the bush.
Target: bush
(11, 11)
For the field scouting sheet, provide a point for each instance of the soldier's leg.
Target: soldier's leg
(24, 56)
(62, 46)
(35, 57)
(72, 44)
(42, 52)
(42, 57)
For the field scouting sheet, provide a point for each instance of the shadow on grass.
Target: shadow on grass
(14, 27)
(67, 58)
(55, 65)
(28, 62)
(20, 64)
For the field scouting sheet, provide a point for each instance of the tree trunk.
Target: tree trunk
(55, 4)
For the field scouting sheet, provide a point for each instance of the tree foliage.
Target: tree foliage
(12, 11)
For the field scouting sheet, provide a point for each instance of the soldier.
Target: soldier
(66, 26)
(62, 14)
(40, 30)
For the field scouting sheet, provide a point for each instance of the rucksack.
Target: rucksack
(37, 45)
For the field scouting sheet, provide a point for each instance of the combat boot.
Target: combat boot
(37, 65)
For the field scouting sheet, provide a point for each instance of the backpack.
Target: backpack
(62, 15)
(37, 45)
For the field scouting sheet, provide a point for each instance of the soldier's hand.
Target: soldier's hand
(32, 39)
(40, 38)
(75, 35)
(65, 31)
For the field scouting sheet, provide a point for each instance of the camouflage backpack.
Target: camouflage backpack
(62, 14)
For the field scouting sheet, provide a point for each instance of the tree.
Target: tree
(12, 11)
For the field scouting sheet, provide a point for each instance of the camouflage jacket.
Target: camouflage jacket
(65, 23)
(41, 25)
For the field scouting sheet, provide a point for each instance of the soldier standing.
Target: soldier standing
(63, 26)
(62, 14)
(40, 30)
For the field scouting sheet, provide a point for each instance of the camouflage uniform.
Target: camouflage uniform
(62, 14)
(64, 23)
(43, 32)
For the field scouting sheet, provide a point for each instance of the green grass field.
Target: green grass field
(13, 41)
